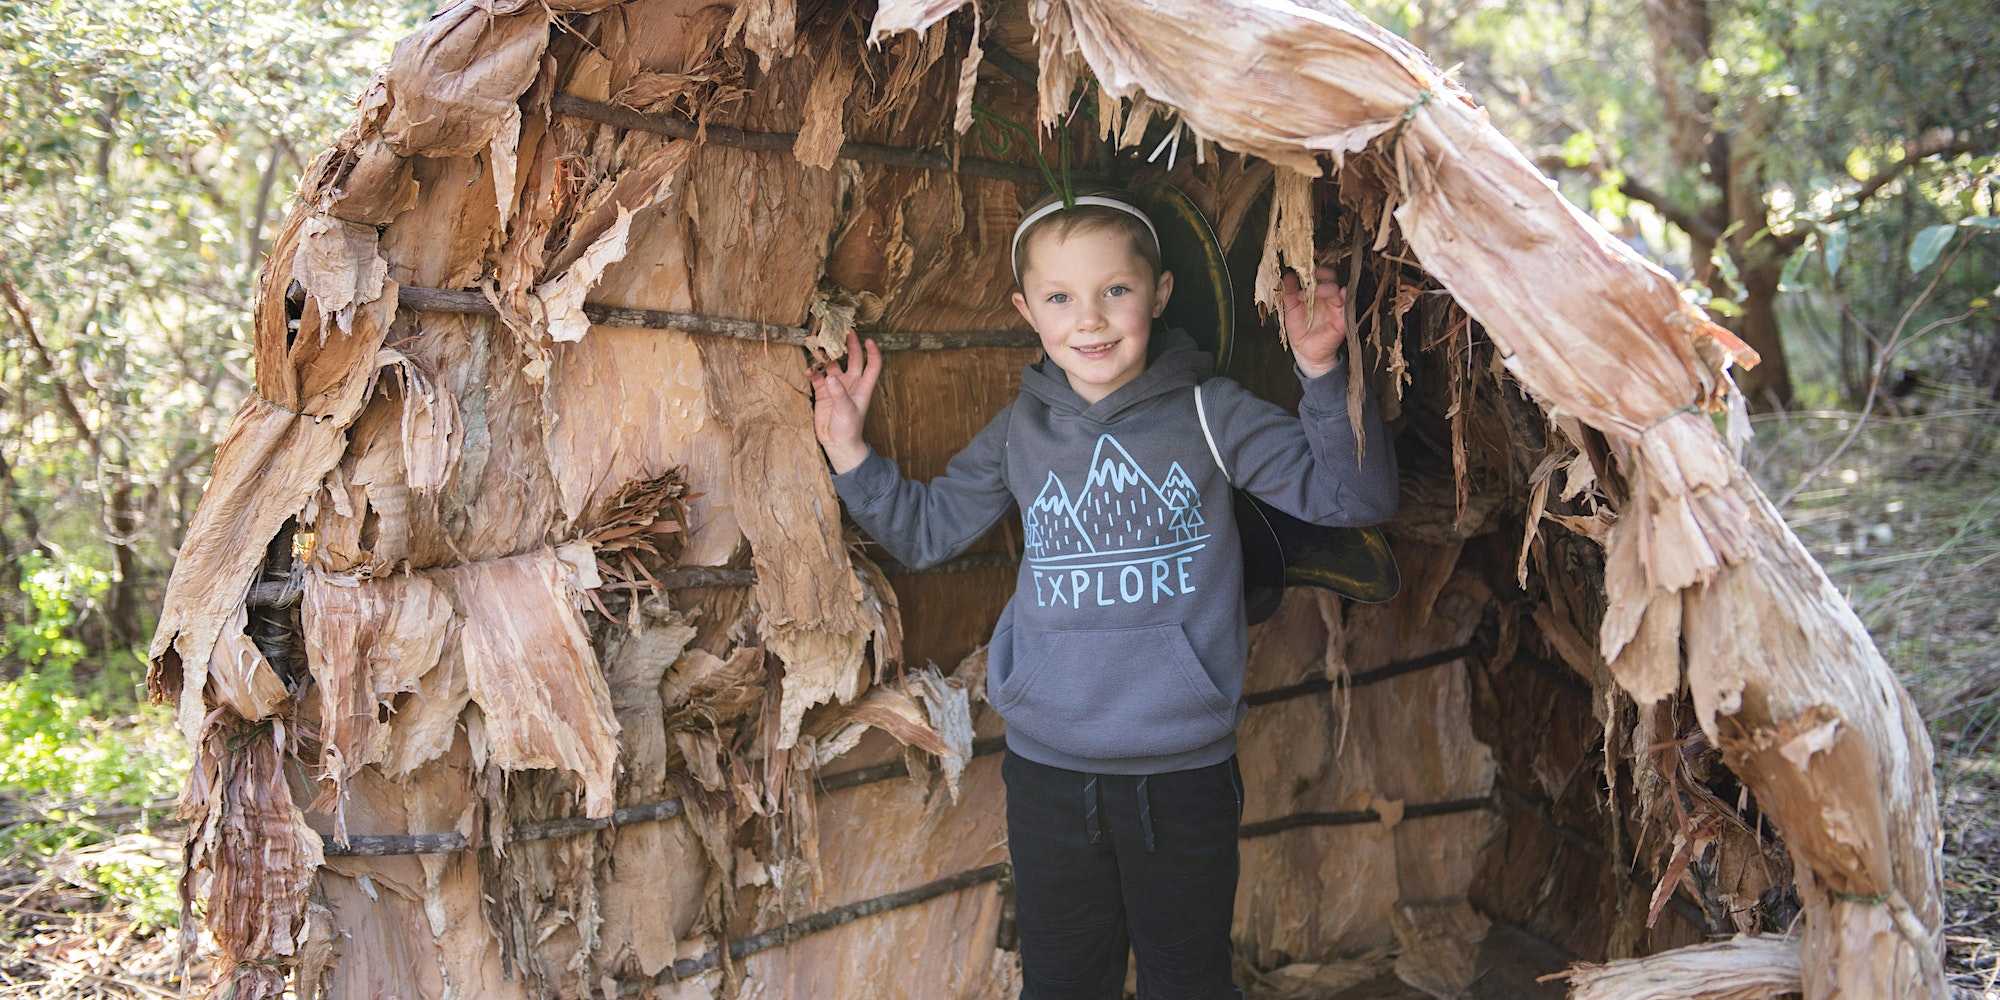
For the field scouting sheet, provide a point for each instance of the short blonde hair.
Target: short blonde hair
(1084, 219)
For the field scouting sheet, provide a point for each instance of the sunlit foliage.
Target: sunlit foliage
(147, 147)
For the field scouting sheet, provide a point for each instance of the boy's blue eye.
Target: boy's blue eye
(1116, 290)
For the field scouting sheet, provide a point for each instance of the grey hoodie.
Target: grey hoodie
(1123, 648)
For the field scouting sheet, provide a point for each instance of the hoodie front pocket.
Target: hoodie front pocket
(1115, 693)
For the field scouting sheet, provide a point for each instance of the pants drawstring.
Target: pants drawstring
(1090, 825)
(1146, 814)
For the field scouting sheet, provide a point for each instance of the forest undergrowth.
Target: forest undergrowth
(1903, 511)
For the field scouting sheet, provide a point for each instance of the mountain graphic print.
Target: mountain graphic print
(1121, 537)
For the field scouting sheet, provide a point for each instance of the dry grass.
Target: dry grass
(65, 934)
(1906, 521)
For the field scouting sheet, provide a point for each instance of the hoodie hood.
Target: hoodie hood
(1178, 364)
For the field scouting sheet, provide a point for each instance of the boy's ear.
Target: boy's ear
(1021, 306)
(1163, 289)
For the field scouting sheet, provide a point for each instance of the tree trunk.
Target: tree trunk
(1760, 257)
(123, 600)
(31, 531)
(1681, 35)
(1769, 385)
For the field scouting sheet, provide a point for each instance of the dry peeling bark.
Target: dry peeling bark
(477, 508)
(1736, 969)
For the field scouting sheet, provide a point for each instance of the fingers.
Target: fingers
(852, 362)
(871, 370)
(1325, 286)
(863, 363)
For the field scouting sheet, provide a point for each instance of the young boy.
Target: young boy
(1118, 664)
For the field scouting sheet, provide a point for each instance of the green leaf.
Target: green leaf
(1835, 248)
(1579, 149)
(1987, 222)
(1788, 278)
(1925, 248)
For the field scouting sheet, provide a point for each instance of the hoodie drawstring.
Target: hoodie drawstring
(1090, 825)
(1093, 827)
(1146, 813)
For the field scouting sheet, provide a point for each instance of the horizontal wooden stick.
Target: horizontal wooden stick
(783, 142)
(1319, 685)
(275, 594)
(744, 947)
(704, 577)
(897, 768)
(380, 845)
(377, 845)
(570, 826)
(475, 303)
(1359, 817)
(653, 812)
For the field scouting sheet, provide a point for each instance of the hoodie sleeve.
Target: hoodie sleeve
(923, 524)
(1306, 465)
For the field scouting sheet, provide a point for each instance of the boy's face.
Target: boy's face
(1092, 299)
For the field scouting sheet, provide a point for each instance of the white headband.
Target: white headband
(1089, 199)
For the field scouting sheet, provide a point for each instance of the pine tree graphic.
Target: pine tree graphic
(1183, 504)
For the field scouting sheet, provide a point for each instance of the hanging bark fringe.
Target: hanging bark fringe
(254, 847)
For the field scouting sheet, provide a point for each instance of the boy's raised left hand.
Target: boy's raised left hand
(1315, 346)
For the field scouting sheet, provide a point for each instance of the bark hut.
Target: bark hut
(525, 652)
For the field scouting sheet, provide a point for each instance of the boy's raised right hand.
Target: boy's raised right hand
(841, 392)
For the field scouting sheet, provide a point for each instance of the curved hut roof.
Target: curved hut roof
(524, 550)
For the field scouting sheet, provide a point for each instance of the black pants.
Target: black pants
(1107, 863)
